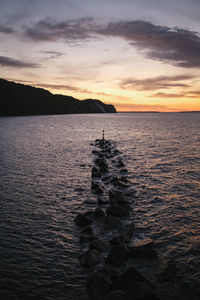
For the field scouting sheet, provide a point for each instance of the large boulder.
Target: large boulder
(82, 220)
(100, 245)
(142, 291)
(97, 286)
(90, 258)
(117, 255)
(143, 249)
(97, 188)
(86, 238)
(127, 279)
(117, 295)
(99, 212)
(118, 210)
(116, 195)
(119, 241)
(112, 222)
(96, 172)
(167, 269)
(144, 243)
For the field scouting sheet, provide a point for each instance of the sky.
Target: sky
(140, 55)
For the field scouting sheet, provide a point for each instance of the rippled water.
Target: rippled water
(45, 165)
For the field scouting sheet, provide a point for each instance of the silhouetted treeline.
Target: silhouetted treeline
(18, 99)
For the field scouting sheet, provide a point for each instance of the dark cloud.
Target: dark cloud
(172, 45)
(177, 46)
(167, 95)
(62, 87)
(6, 29)
(185, 94)
(71, 88)
(53, 54)
(50, 30)
(15, 63)
(156, 83)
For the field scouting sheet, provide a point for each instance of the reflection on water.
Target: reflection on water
(45, 164)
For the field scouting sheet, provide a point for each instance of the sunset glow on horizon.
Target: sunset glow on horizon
(137, 55)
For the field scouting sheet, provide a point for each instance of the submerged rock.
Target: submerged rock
(167, 269)
(117, 295)
(120, 164)
(97, 286)
(90, 258)
(82, 220)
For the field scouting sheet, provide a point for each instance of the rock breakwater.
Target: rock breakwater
(108, 233)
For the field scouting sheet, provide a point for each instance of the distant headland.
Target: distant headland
(19, 100)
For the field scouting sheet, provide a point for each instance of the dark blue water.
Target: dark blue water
(45, 177)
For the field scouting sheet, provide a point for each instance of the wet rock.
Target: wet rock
(82, 220)
(106, 178)
(130, 226)
(117, 295)
(112, 222)
(115, 273)
(118, 210)
(89, 214)
(97, 286)
(99, 212)
(96, 172)
(127, 279)
(95, 152)
(123, 179)
(167, 269)
(144, 243)
(97, 188)
(86, 238)
(101, 162)
(116, 195)
(127, 234)
(88, 230)
(101, 201)
(100, 245)
(90, 258)
(121, 184)
(120, 164)
(117, 255)
(119, 241)
(143, 249)
(108, 150)
(116, 152)
(124, 170)
(142, 291)
(143, 253)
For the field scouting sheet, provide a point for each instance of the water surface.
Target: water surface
(45, 177)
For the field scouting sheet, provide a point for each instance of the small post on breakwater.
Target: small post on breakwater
(103, 136)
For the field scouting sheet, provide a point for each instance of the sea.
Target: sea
(45, 181)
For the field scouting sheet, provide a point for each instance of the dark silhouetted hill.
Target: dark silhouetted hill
(18, 99)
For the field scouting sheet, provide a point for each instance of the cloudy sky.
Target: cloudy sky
(136, 54)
